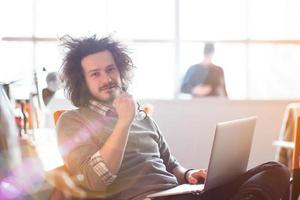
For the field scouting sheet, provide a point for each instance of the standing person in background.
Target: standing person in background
(205, 78)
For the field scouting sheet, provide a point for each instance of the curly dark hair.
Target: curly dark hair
(72, 72)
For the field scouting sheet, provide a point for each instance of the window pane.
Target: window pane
(16, 18)
(212, 19)
(77, 18)
(293, 16)
(49, 56)
(274, 71)
(154, 75)
(16, 60)
(231, 57)
(142, 19)
(267, 19)
(16, 65)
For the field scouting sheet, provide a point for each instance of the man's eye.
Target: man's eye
(111, 69)
(95, 74)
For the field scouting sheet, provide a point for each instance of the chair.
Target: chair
(289, 147)
(57, 114)
(287, 134)
(56, 194)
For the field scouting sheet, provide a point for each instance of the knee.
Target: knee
(278, 170)
(270, 182)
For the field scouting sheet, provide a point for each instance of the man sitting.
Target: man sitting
(122, 155)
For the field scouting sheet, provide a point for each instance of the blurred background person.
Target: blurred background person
(53, 84)
(205, 78)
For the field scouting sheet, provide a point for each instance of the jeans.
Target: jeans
(268, 181)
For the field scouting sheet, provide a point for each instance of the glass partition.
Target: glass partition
(257, 42)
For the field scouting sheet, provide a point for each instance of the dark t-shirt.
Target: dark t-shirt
(200, 74)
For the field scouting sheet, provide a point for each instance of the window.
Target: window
(257, 42)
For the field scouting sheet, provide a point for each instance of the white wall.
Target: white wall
(188, 125)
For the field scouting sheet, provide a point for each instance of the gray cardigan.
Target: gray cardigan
(147, 162)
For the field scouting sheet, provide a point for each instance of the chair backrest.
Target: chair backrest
(57, 114)
(296, 162)
(296, 154)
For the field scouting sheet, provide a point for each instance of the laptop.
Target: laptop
(228, 159)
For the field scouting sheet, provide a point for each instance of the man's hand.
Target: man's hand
(125, 107)
(201, 90)
(113, 150)
(196, 176)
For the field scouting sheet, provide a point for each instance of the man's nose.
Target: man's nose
(107, 78)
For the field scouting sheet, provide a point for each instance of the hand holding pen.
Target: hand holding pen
(125, 107)
(140, 114)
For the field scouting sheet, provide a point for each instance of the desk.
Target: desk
(47, 148)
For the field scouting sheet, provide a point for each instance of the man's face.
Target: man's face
(102, 76)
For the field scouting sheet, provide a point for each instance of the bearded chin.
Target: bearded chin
(109, 100)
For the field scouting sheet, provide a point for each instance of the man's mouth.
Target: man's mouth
(109, 87)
